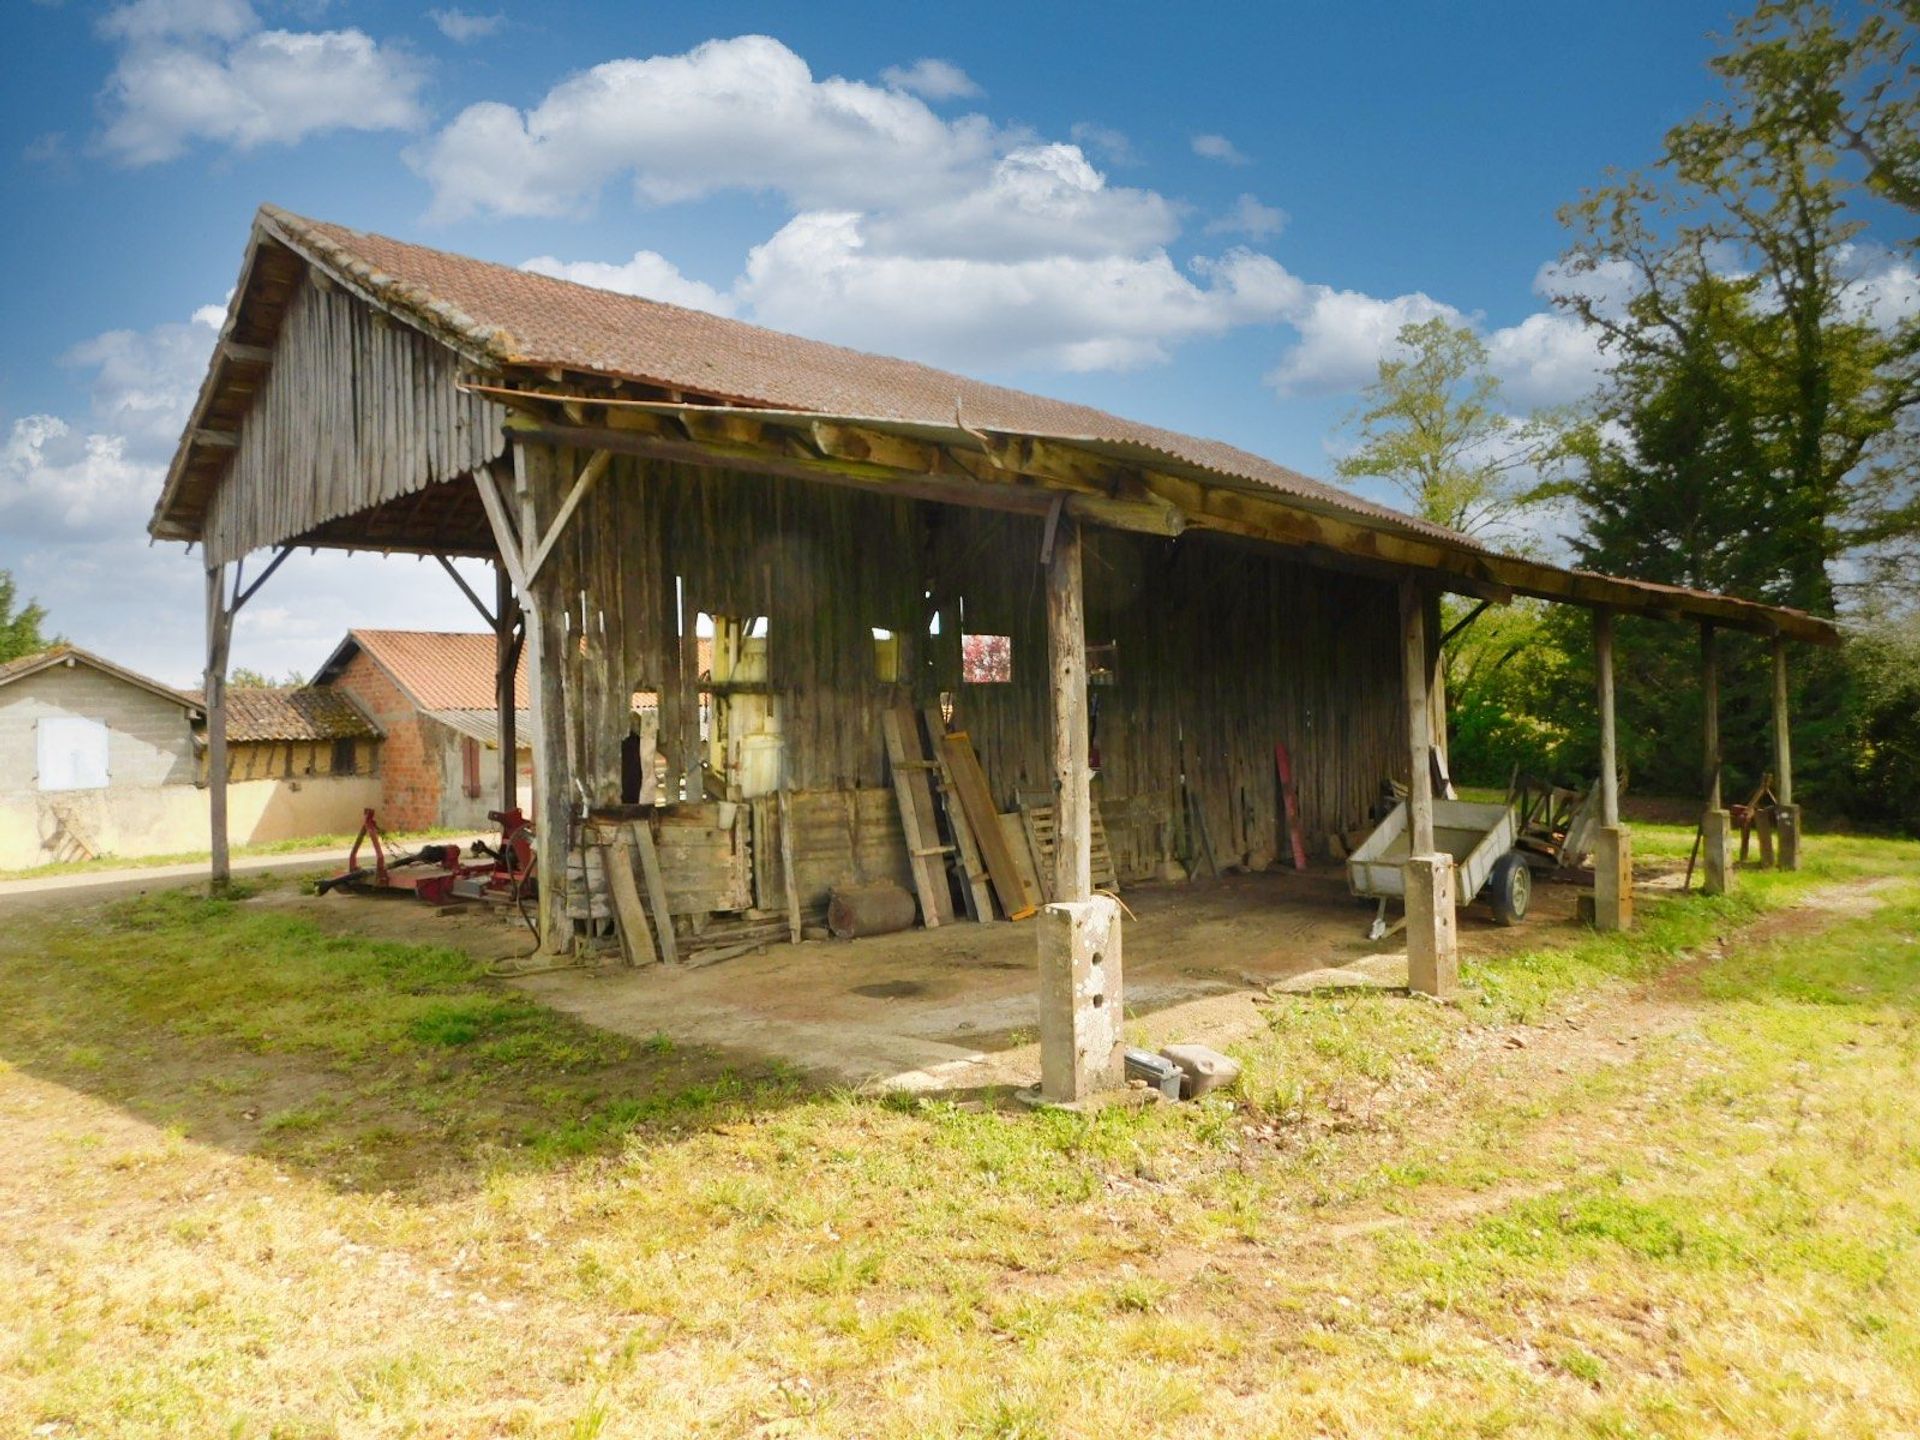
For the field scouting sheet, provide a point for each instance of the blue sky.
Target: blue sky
(1213, 219)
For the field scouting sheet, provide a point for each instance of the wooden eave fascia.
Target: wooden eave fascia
(1028, 474)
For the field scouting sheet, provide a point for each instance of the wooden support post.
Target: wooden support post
(1067, 663)
(1716, 829)
(1081, 1051)
(789, 882)
(1609, 753)
(1413, 642)
(219, 639)
(1433, 962)
(1441, 763)
(1710, 712)
(1787, 814)
(535, 481)
(506, 649)
(1612, 851)
(220, 613)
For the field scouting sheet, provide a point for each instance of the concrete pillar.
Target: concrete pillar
(1433, 953)
(1612, 879)
(1787, 836)
(1081, 1014)
(1716, 849)
(1433, 957)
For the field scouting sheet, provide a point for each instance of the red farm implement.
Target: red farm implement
(441, 872)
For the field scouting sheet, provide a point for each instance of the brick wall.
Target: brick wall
(410, 760)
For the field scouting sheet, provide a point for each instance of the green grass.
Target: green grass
(421, 1060)
(299, 845)
(1658, 1184)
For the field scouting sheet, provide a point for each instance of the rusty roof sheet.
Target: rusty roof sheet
(514, 317)
(259, 715)
(484, 725)
(438, 669)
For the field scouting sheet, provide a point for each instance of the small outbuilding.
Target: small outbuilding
(432, 694)
(95, 759)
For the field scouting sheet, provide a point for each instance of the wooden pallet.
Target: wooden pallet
(1040, 827)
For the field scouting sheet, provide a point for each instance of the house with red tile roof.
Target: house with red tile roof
(431, 694)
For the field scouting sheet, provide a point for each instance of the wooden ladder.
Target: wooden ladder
(913, 787)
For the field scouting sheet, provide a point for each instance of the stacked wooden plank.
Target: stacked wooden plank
(983, 818)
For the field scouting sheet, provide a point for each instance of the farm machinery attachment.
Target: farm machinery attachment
(441, 873)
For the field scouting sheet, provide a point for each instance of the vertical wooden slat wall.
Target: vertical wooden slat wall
(356, 410)
(1222, 649)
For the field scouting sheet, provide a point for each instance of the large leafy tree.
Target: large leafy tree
(1755, 427)
(1433, 425)
(1436, 427)
(21, 631)
(1756, 434)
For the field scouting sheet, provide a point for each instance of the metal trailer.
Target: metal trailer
(1479, 836)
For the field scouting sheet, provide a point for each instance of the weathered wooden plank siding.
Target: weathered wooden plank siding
(355, 411)
(1222, 649)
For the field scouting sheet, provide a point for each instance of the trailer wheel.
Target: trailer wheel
(1510, 888)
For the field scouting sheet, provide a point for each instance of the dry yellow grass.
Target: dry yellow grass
(1683, 1199)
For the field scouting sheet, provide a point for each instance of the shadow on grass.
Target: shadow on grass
(370, 1064)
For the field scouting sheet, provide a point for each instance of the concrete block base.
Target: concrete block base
(1433, 949)
(1787, 837)
(1081, 1011)
(1716, 852)
(1613, 879)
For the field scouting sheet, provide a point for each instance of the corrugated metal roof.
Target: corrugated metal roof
(438, 669)
(257, 715)
(484, 725)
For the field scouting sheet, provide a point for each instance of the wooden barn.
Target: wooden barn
(1122, 621)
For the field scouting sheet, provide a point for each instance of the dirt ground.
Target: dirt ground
(954, 1008)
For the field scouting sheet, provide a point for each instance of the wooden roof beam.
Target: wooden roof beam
(243, 354)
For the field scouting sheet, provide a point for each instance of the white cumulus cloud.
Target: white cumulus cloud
(648, 273)
(1250, 218)
(931, 79)
(1037, 200)
(60, 477)
(742, 114)
(817, 277)
(1219, 147)
(463, 27)
(205, 71)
